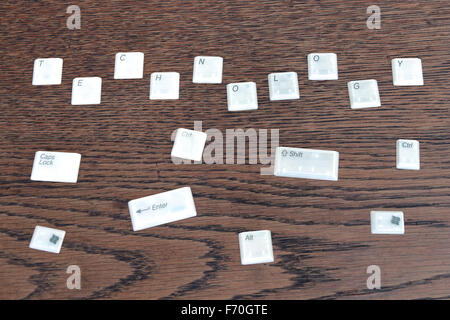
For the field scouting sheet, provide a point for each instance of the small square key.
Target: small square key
(164, 85)
(207, 69)
(387, 222)
(47, 71)
(322, 66)
(407, 72)
(408, 154)
(189, 144)
(256, 247)
(56, 166)
(129, 65)
(86, 91)
(363, 94)
(47, 239)
(283, 86)
(242, 96)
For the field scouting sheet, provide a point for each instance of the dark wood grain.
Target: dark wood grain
(321, 230)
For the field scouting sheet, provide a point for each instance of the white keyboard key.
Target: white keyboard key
(207, 69)
(283, 86)
(129, 65)
(47, 71)
(47, 239)
(407, 72)
(55, 166)
(322, 66)
(408, 154)
(306, 163)
(387, 222)
(162, 208)
(242, 96)
(164, 85)
(363, 94)
(86, 91)
(256, 247)
(189, 144)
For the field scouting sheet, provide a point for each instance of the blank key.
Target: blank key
(164, 85)
(256, 247)
(363, 94)
(283, 86)
(408, 154)
(322, 66)
(306, 163)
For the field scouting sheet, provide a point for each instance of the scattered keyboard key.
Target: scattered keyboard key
(322, 66)
(47, 239)
(56, 166)
(86, 91)
(256, 247)
(162, 208)
(408, 154)
(47, 71)
(363, 94)
(207, 69)
(129, 65)
(387, 222)
(283, 86)
(306, 163)
(189, 144)
(242, 96)
(164, 86)
(407, 72)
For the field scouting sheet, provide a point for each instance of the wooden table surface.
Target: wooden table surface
(321, 229)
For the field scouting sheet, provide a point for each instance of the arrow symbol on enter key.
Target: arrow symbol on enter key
(142, 210)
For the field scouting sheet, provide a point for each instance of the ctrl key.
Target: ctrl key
(256, 247)
(47, 239)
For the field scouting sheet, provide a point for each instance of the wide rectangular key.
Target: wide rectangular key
(408, 154)
(162, 208)
(47, 239)
(306, 163)
(387, 222)
(56, 166)
(256, 247)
